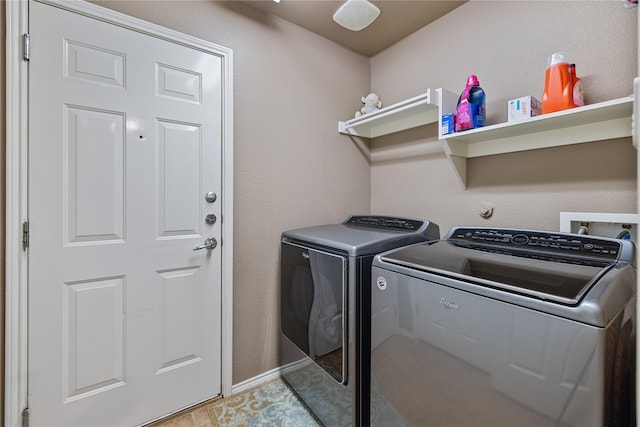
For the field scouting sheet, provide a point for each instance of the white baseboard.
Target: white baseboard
(267, 376)
(255, 381)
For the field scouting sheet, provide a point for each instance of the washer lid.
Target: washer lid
(552, 280)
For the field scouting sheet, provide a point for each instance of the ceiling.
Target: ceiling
(398, 19)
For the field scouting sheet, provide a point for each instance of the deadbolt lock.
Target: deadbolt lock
(210, 197)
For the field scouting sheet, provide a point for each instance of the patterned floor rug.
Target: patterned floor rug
(272, 404)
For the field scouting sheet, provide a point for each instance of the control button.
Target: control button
(519, 239)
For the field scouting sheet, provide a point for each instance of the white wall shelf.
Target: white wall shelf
(595, 122)
(417, 111)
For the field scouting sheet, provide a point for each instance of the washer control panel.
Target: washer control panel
(538, 240)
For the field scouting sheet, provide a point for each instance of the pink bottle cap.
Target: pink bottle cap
(473, 81)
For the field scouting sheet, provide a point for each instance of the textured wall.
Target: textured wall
(291, 167)
(506, 45)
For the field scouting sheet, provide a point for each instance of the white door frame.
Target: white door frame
(16, 315)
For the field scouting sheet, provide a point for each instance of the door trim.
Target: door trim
(16, 314)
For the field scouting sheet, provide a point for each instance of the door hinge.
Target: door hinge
(25, 235)
(26, 46)
(25, 417)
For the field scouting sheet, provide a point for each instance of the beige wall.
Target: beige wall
(506, 45)
(292, 168)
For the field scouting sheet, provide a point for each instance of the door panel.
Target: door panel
(180, 170)
(180, 333)
(93, 64)
(93, 359)
(93, 147)
(124, 142)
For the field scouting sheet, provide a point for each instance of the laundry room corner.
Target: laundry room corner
(511, 44)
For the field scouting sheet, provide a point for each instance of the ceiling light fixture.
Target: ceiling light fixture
(356, 14)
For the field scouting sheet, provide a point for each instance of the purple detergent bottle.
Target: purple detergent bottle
(471, 111)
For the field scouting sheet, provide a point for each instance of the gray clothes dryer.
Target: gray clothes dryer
(504, 327)
(325, 310)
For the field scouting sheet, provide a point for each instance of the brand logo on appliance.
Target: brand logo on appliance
(449, 305)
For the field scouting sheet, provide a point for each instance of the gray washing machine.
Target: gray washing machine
(325, 310)
(504, 327)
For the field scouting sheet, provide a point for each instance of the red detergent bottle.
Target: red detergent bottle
(558, 86)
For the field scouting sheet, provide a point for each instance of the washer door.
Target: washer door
(314, 305)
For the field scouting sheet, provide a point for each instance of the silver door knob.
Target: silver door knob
(209, 244)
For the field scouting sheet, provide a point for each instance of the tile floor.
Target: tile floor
(199, 416)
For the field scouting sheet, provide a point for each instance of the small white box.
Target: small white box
(524, 108)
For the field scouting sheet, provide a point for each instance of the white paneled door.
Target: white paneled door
(124, 144)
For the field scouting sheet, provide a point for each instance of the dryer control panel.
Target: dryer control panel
(386, 222)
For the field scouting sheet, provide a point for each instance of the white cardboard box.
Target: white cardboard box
(524, 108)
